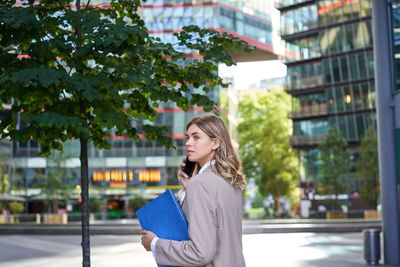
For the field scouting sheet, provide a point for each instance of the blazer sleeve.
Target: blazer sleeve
(202, 223)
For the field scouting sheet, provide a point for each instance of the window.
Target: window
(357, 97)
(351, 127)
(370, 58)
(331, 101)
(349, 37)
(345, 70)
(366, 96)
(339, 99)
(353, 67)
(336, 70)
(362, 65)
(360, 125)
(327, 71)
(342, 126)
(348, 99)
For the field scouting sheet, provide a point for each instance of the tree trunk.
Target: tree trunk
(336, 204)
(277, 205)
(85, 198)
(84, 171)
(54, 206)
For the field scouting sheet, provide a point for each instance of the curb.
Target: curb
(249, 227)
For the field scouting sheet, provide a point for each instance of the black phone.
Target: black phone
(189, 167)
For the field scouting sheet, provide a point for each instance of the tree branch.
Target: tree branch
(87, 5)
(61, 4)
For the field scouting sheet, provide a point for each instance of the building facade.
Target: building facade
(330, 75)
(144, 167)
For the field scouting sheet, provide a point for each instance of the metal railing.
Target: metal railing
(310, 111)
(307, 140)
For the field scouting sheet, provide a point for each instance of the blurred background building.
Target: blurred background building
(330, 75)
(144, 167)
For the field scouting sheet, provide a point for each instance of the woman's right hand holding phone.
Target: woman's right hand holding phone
(182, 176)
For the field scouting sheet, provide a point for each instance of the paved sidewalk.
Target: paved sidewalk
(269, 250)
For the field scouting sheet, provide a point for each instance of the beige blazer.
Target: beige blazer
(213, 209)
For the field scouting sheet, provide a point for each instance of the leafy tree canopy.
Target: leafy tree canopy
(368, 168)
(335, 165)
(57, 56)
(264, 138)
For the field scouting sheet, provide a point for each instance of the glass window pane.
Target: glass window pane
(331, 101)
(355, 8)
(346, 11)
(351, 127)
(349, 37)
(347, 99)
(345, 71)
(366, 96)
(353, 67)
(342, 126)
(370, 56)
(360, 125)
(360, 28)
(336, 70)
(333, 39)
(365, 8)
(362, 65)
(327, 71)
(368, 34)
(339, 99)
(373, 94)
(337, 4)
(357, 97)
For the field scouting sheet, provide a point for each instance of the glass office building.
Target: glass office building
(130, 167)
(330, 74)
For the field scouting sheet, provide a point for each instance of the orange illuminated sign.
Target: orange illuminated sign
(112, 176)
(149, 175)
(117, 177)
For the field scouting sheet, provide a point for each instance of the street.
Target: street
(275, 250)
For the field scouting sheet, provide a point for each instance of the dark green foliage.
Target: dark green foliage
(137, 202)
(367, 168)
(102, 59)
(335, 166)
(94, 204)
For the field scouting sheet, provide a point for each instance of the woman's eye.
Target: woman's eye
(195, 137)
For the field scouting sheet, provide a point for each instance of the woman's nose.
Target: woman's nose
(187, 143)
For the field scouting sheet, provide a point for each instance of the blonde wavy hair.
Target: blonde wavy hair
(227, 163)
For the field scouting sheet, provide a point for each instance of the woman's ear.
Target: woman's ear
(216, 144)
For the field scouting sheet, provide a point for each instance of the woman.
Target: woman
(212, 202)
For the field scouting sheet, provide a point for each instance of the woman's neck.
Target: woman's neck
(203, 162)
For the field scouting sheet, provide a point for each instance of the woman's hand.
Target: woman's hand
(183, 177)
(147, 237)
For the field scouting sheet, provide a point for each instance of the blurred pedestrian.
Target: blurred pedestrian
(211, 202)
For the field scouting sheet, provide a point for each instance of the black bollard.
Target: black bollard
(372, 246)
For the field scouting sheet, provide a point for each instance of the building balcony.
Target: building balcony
(310, 111)
(283, 6)
(306, 140)
(308, 82)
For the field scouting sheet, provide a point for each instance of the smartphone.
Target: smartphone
(189, 167)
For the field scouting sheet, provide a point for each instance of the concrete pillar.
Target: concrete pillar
(386, 134)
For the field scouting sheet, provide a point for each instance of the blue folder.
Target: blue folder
(164, 217)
